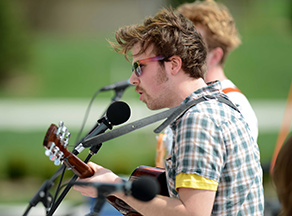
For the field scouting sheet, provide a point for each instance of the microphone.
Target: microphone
(143, 188)
(117, 113)
(122, 85)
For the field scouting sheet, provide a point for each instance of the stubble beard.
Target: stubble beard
(159, 100)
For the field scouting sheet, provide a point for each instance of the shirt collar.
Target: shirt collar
(212, 88)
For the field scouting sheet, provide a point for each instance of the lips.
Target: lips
(139, 91)
(141, 94)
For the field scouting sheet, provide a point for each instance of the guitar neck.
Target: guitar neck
(56, 147)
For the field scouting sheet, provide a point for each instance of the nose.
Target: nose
(134, 80)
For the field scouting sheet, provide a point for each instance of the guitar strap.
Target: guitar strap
(170, 114)
(184, 107)
(227, 90)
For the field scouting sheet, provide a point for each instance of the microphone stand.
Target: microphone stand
(93, 150)
(43, 194)
(118, 95)
(100, 201)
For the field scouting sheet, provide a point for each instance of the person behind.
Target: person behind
(214, 167)
(215, 23)
(282, 177)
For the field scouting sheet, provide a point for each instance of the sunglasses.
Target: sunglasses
(136, 67)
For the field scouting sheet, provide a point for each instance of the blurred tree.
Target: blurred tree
(238, 9)
(290, 12)
(14, 44)
(176, 3)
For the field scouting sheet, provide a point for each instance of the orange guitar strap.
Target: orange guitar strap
(284, 130)
(160, 151)
(227, 90)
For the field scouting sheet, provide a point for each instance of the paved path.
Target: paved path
(32, 114)
(65, 209)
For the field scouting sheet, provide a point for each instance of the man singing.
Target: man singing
(214, 165)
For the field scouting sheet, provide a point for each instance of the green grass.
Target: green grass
(24, 152)
(24, 162)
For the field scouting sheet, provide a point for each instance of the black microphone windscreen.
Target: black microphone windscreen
(145, 188)
(118, 113)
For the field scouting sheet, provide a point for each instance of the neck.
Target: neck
(184, 89)
(215, 73)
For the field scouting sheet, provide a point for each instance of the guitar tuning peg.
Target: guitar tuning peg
(61, 128)
(65, 132)
(58, 159)
(58, 132)
(61, 123)
(57, 162)
(49, 151)
(54, 155)
(62, 133)
(66, 140)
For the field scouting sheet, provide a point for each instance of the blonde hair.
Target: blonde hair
(217, 21)
(171, 34)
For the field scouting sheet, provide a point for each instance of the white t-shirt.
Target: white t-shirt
(244, 107)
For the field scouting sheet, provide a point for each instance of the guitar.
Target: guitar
(157, 173)
(56, 141)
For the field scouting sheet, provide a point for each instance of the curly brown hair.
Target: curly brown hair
(171, 34)
(218, 23)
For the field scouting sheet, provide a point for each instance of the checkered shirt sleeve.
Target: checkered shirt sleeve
(212, 140)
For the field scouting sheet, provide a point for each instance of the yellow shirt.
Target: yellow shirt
(195, 181)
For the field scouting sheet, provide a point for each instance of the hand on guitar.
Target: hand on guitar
(101, 174)
(56, 142)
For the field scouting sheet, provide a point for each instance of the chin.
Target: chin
(150, 107)
(154, 106)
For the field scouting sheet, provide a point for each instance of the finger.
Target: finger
(94, 166)
(86, 191)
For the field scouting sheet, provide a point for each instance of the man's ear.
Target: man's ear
(215, 56)
(175, 64)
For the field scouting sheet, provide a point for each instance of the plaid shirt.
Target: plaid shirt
(212, 140)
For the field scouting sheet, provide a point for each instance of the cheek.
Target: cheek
(161, 76)
(154, 84)
(159, 86)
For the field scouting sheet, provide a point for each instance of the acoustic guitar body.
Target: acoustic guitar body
(157, 173)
